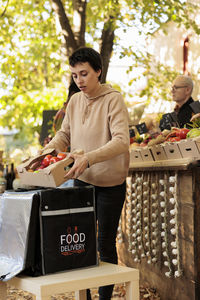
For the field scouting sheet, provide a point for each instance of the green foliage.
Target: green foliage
(30, 67)
(24, 110)
(29, 47)
(153, 14)
(159, 79)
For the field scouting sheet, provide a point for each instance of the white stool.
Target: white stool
(77, 280)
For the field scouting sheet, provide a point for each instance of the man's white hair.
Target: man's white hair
(186, 80)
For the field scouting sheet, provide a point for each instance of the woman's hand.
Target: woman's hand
(79, 166)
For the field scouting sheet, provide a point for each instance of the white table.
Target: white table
(76, 280)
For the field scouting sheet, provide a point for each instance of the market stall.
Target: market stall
(159, 232)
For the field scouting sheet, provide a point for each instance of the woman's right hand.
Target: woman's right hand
(80, 164)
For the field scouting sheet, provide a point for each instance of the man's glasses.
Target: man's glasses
(176, 87)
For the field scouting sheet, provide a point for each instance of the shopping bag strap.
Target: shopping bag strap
(67, 211)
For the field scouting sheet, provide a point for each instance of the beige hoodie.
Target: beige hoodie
(99, 126)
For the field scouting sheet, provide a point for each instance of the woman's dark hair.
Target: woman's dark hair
(86, 54)
(72, 89)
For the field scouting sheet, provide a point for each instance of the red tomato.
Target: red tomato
(46, 160)
(53, 160)
(143, 144)
(174, 139)
(41, 167)
(61, 155)
(183, 132)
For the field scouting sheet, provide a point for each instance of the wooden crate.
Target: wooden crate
(190, 148)
(158, 152)
(146, 154)
(172, 150)
(135, 155)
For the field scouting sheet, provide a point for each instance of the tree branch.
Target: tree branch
(80, 8)
(3, 13)
(106, 47)
(67, 31)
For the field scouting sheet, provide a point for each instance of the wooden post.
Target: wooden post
(132, 290)
(80, 295)
(3, 290)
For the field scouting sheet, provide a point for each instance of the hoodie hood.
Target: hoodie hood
(103, 90)
(88, 102)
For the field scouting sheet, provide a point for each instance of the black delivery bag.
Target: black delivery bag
(61, 233)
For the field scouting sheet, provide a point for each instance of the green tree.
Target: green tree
(30, 66)
(100, 19)
(38, 36)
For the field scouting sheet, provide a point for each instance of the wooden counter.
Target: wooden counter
(174, 164)
(159, 231)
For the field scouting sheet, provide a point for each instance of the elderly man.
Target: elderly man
(181, 93)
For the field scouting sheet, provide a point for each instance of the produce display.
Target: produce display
(193, 133)
(173, 135)
(46, 161)
(170, 144)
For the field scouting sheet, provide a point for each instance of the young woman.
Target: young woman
(96, 121)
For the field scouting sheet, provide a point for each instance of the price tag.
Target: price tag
(142, 128)
(164, 124)
(195, 106)
(167, 121)
(131, 133)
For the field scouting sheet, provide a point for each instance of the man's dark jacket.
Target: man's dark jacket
(184, 114)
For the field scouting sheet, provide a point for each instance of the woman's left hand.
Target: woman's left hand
(79, 166)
